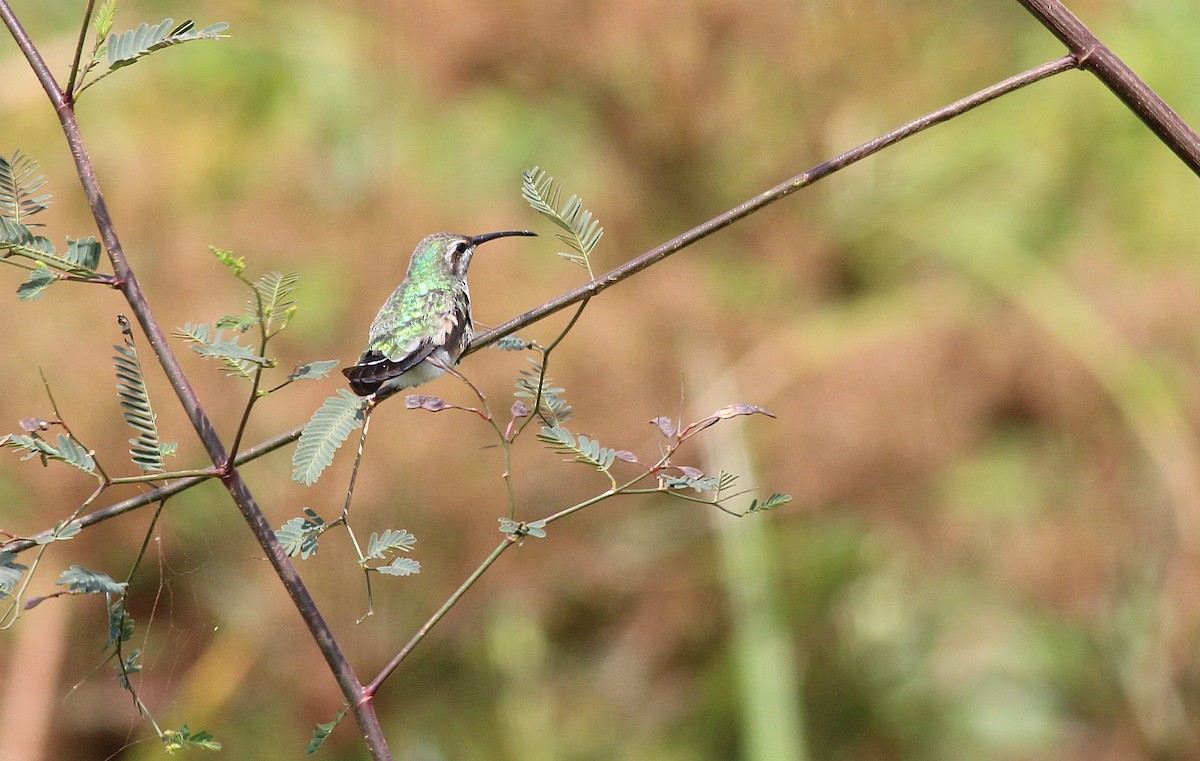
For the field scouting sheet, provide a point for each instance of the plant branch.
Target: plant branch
(762, 200)
(1094, 56)
(87, 20)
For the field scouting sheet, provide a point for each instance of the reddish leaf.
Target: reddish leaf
(733, 410)
(428, 403)
(665, 425)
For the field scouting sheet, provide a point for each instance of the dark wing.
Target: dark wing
(374, 368)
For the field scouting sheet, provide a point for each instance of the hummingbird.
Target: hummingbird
(425, 325)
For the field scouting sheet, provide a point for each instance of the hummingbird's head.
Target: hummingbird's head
(452, 251)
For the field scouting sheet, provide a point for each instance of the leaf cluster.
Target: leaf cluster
(270, 306)
(19, 186)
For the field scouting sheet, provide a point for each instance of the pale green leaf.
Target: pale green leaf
(325, 432)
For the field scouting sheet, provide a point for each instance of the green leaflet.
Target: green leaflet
(127, 48)
(65, 449)
(81, 580)
(10, 573)
(585, 450)
(41, 278)
(146, 450)
(19, 186)
(536, 386)
(326, 431)
(582, 231)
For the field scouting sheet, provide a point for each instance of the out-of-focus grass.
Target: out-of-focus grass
(981, 346)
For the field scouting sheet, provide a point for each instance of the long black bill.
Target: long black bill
(477, 239)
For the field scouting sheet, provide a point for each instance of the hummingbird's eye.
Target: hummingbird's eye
(460, 248)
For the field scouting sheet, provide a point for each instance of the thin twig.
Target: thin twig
(87, 20)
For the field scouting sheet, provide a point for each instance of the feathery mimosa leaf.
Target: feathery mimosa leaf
(771, 502)
(400, 566)
(103, 21)
(326, 431)
(135, 44)
(322, 732)
(388, 541)
(239, 360)
(585, 450)
(299, 535)
(271, 299)
(40, 278)
(536, 385)
(83, 581)
(583, 232)
(18, 185)
(65, 449)
(10, 573)
(146, 450)
(311, 370)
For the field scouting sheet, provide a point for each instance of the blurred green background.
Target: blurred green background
(981, 346)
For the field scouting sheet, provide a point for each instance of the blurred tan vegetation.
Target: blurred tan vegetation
(981, 346)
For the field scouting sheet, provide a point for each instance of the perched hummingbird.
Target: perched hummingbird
(425, 325)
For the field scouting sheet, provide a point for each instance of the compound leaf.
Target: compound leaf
(583, 449)
(400, 566)
(129, 47)
(10, 573)
(81, 580)
(40, 278)
(771, 502)
(19, 186)
(583, 232)
(388, 541)
(272, 299)
(312, 370)
(326, 431)
(146, 450)
(323, 730)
